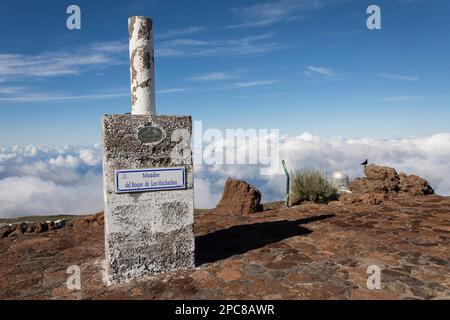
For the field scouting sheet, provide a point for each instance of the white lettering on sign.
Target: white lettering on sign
(138, 180)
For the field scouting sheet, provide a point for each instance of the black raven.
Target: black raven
(365, 162)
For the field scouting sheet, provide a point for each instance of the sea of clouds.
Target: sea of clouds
(41, 180)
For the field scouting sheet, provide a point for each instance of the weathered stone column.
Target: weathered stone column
(142, 66)
(148, 179)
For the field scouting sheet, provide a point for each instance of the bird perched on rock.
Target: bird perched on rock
(365, 162)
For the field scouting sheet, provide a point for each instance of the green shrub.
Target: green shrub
(310, 185)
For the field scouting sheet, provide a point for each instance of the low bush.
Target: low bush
(310, 185)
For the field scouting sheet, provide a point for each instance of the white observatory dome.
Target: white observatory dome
(340, 180)
(339, 175)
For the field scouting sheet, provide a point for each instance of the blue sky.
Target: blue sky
(294, 65)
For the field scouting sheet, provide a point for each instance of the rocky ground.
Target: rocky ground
(305, 252)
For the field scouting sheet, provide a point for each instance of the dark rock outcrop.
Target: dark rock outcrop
(6, 231)
(414, 185)
(96, 219)
(239, 197)
(379, 179)
(370, 199)
(13, 230)
(382, 183)
(41, 227)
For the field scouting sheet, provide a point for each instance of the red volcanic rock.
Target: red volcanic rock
(239, 197)
(374, 172)
(371, 199)
(306, 252)
(96, 219)
(382, 183)
(414, 185)
(364, 186)
(379, 179)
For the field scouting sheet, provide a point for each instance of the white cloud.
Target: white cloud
(231, 75)
(322, 71)
(172, 90)
(216, 76)
(245, 46)
(50, 180)
(62, 161)
(10, 90)
(68, 179)
(268, 13)
(255, 83)
(62, 62)
(427, 157)
(33, 196)
(270, 94)
(403, 98)
(204, 196)
(72, 61)
(245, 84)
(179, 32)
(27, 96)
(398, 77)
(90, 157)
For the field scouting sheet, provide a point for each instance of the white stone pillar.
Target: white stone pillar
(148, 185)
(142, 71)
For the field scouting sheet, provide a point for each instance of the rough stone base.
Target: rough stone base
(150, 253)
(145, 232)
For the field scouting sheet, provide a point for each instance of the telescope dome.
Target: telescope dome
(340, 180)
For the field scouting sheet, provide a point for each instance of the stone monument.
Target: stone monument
(147, 177)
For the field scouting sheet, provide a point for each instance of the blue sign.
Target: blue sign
(139, 180)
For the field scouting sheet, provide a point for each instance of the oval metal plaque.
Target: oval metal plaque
(150, 135)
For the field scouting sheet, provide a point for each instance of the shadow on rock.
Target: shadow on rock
(225, 243)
